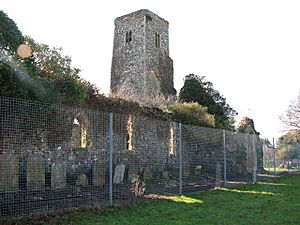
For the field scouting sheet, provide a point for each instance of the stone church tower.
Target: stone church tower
(141, 66)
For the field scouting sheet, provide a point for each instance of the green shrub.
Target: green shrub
(191, 114)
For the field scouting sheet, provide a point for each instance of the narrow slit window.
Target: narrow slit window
(79, 132)
(128, 37)
(129, 138)
(172, 145)
(157, 40)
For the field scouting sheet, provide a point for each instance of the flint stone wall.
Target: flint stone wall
(43, 156)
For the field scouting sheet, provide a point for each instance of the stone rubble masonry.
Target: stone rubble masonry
(139, 68)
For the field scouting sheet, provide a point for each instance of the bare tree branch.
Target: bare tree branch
(291, 118)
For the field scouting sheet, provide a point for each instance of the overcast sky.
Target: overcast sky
(249, 50)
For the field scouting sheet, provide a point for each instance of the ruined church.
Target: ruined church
(141, 65)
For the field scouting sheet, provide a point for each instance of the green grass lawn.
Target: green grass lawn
(276, 202)
(280, 170)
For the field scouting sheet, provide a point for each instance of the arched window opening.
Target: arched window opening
(172, 148)
(79, 132)
(129, 138)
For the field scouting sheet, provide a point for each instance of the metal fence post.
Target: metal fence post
(225, 158)
(263, 150)
(274, 157)
(110, 158)
(180, 159)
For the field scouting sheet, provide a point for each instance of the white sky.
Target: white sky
(249, 50)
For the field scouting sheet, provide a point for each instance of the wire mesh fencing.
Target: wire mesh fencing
(284, 157)
(54, 157)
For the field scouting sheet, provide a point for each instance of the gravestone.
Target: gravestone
(58, 174)
(119, 174)
(81, 180)
(99, 172)
(35, 172)
(9, 172)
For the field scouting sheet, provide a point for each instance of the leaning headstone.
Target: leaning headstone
(58, 174)
(99, 172)
(9, 172)
(35, 172)
(119, 174)
(218, 175)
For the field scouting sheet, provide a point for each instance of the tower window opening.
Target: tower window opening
(157, 40)
(128, 37)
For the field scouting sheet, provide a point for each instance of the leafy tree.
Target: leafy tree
(10, 36)
(291, 118)
(55, 68)
(292, 136)
(288, 146)
(15, 80)
(191, 114)
(246, 125)
(12, 82)
(286, 151)
(47, 75)
(197, 89)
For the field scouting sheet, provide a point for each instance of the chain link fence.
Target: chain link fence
(54, 157)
